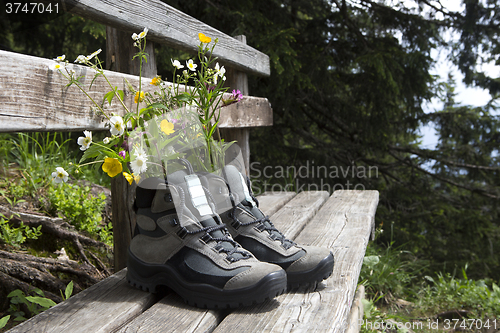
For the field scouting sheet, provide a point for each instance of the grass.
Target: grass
(27, 162)
(400, 289)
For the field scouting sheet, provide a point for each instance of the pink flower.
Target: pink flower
(237, 95)
(122, 153)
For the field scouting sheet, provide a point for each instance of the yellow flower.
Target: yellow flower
(131, 177)
(156, 81)
(112, 166)
(204, 39)
(166, 127)
(136, 98)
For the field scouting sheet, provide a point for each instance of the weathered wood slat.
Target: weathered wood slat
(103, 307)
(340, 226)
(35, 98)
(171, 314)
(170, 26)
(355, 319)
(270, 202)
(294, 216)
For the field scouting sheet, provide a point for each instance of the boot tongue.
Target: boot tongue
(197, 202)
(239, 186)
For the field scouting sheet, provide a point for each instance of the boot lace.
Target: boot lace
(263, 224)
(207, 232)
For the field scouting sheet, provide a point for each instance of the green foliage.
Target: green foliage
(68, 291)
(389, 271)
(15, 236)
(34, 304)
(447, 293)
(36, 155)
(3, 321)
(79, 207)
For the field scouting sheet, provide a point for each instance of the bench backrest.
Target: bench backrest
(35, 98)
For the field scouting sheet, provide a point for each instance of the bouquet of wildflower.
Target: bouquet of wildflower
(170, 123)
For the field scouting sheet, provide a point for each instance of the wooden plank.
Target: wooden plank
(343, 224)
(35, 98)
(270, 202)
(103, 307)
(170, 26)
(296, 214)
(355, 319)
(173, 315)
(119, 54)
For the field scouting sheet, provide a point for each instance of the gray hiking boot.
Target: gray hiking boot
(180, 243)
(247, 224)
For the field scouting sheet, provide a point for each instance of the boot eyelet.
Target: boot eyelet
(168, 197)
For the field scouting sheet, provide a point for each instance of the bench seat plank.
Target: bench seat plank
(344, 225)
(294, 216)
(103, 307)
(171, 314)
(270, 202)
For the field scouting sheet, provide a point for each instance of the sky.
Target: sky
(464, 95)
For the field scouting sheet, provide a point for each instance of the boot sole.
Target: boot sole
(322, 271)
(204, 295)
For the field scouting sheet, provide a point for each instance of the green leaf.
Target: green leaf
(42, 301)
(371, 261)
(109, 96)
(121, 94)
(93, 151)
(69, 290)
(16, 293)
(4, 321)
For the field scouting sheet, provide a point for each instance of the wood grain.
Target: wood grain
(35, 98)
(343, 224)
(270, 202)
(171, 314)
(103, 307)
(298, 212)
(170, 26)
(355, 319)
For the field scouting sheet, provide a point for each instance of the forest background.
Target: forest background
(348, 86)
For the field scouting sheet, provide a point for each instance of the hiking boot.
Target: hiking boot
(180, 243)
(254, 231)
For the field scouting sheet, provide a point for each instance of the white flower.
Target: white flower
(192, 66)
(60, 175)
(85, 142)
(135, 36)
(81, 59)
(143, 33)
(94, 54)
(106, 140)
(57, 65)
(176, 64)
(219, 72)
(60, 58)
(138, 165)
(117, 127)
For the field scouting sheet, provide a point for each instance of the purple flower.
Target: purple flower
(237, 95)
(122, 153)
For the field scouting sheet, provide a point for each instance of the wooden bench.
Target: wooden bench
(34, 98)
(342, 222)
